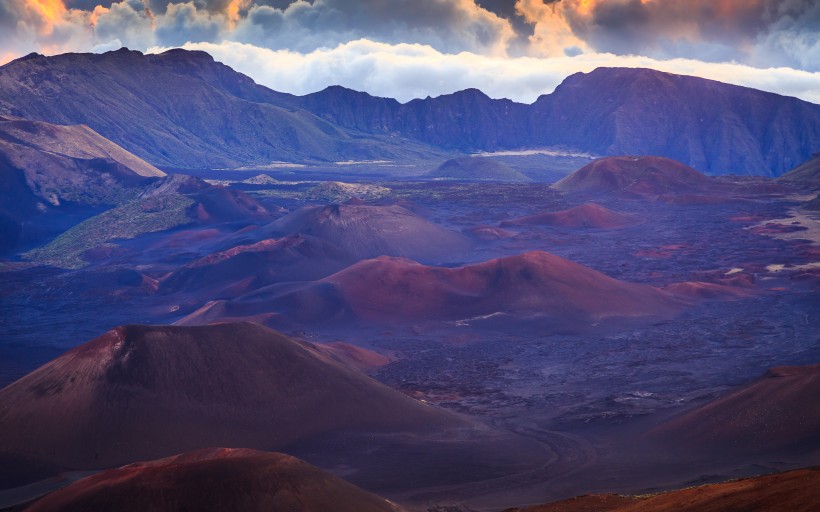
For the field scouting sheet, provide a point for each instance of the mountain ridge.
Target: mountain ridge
(179, 109)
(226, 119)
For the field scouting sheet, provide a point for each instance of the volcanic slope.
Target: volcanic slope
(45, 166)
(171, 202)
(806, 176)
(476, 168)
(181, 109)
(365, 231)
(215, 479)
(773, 414)
(246, 267)
(533, 284)
(797, 491)
(588, 215)
(213, 203)
(645, 177)
(533, 287)
(143, 392)
(714, 127)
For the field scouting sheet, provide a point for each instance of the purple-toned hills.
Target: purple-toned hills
(183, 109)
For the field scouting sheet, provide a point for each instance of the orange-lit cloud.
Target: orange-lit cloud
(552, 34)
(96, 13)
(489, 34)
(42, 25)
(49, 11)
(232, 10)
(718, 29)
(754, 31)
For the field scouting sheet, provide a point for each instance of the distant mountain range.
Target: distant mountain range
(183, 109)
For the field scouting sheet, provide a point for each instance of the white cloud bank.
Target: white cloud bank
(407, 49)
(407, 71)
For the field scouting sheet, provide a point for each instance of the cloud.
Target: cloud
(127, 22)
(552, 34)
(407, 71)
(398, 48)
(114, 44)
(185, 22)
(447, 25)
(41, 25)
(756, 32)
(52, 26)
(793, 38)
(762, 33)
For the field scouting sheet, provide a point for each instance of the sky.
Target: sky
(407, 49)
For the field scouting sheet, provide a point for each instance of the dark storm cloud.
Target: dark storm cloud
(53, 26)
(793, 38)
(452, 25)
(506, 9)
(449, 25)
(184, 22)
(761, 32)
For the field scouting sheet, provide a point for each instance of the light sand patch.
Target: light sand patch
(363, 162)
(533, 152)
(271, 165)
(805, 219)
(806, 266)
(777, 267)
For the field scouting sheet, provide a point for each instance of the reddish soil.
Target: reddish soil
(357, 357)
(490, 233)
(586, 503)
(215, 479)
(293, 258)
(530, 288)
(792, 491)
(534, 285)
(142, 392)
(369, 231)
(635, 176)
(696, 291)
(776, 412)
(219, 204)
(589, 215)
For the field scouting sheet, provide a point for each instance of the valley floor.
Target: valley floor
(583, 398)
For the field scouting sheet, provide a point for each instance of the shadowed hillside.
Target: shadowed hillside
(368, 231)
(535, 287)
(46, 169)
(215, 479)
(795, 491)
(775, 413)
(141, 392)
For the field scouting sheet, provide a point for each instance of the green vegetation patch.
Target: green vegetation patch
(134, 218)
(95, 192)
